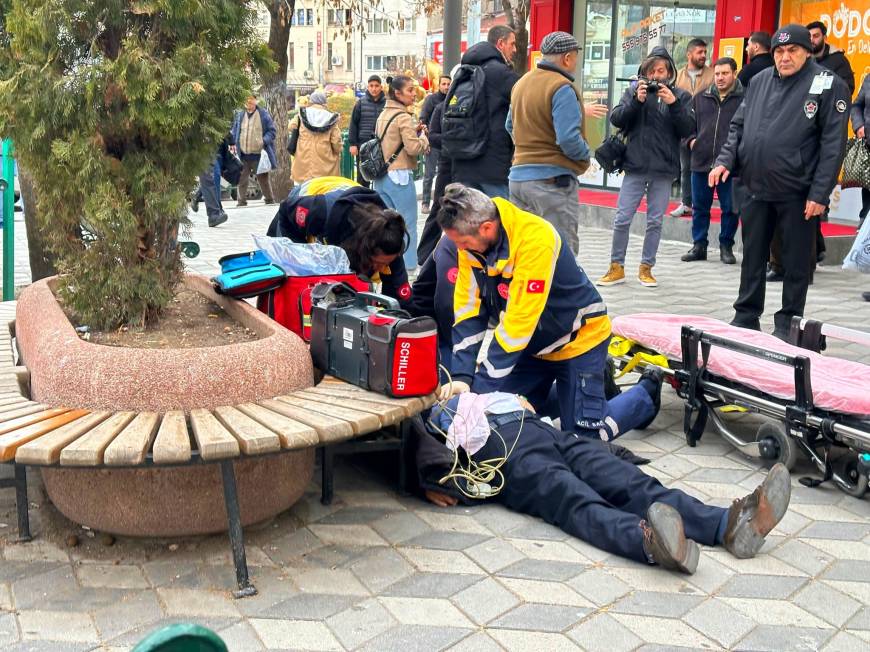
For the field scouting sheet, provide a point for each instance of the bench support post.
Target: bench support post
(327, 479)
(21, 503)
(237, 541)
(19, 482)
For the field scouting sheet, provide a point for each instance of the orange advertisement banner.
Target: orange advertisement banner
(848, 23)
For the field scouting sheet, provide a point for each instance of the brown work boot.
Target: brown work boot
(615, 274)
(752, 517)
(644, 275)
(665, 542)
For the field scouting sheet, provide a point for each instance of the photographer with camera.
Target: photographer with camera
(654, 116)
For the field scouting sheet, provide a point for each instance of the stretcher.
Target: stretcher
(814, 405)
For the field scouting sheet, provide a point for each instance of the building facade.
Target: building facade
(336, 48)
(617, 34)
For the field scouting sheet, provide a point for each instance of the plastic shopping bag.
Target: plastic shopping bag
(859, 255)
(298, 259)
(265, 165)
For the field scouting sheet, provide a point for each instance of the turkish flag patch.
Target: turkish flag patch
(504, 290)
(535, 287)
(452, 275)
(405, 292)
(301, 216)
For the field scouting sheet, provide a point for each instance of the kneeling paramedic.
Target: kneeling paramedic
(513, 267)
(338, 211)
(577, 484)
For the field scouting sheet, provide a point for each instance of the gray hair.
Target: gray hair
(464, 209)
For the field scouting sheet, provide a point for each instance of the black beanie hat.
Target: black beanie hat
(793, 34)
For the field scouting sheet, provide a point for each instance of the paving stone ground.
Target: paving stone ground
(380, 571)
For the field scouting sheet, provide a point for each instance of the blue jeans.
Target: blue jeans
(404, 200)
(702, 200)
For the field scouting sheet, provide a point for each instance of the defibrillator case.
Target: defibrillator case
(365, 339)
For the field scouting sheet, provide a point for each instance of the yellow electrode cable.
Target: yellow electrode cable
(479, 476)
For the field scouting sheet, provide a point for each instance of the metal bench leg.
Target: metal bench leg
(327, 471)
(237, 540)
(21, 503)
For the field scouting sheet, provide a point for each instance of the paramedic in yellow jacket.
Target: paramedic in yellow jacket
(513, 267)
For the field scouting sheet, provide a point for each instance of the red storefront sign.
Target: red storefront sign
(438, 50)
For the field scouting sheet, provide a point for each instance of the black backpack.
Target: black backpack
(372, 164)
(465, 125)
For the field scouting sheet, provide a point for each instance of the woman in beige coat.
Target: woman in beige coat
(404, 138)
(318, 148)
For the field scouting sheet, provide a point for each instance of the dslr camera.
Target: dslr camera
(653, 86)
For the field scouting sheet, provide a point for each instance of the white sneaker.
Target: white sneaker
(681, 210)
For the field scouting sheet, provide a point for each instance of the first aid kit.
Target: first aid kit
(249, 274)
(365, 339)
(290, 305)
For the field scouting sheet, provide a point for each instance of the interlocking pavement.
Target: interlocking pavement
(380, 571)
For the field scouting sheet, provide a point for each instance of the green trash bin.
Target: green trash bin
(347, 164)
(182, 637)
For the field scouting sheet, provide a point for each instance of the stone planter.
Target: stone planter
(68, 371)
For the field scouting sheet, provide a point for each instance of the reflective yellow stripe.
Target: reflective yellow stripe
(582, 314)
(595, 331)
(466, 301)
(323, 185)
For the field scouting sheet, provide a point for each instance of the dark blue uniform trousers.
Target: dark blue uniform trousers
(583, 406)
(574, 483)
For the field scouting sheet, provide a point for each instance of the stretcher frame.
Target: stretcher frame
(797, 426)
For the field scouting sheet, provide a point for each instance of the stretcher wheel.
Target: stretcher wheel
(776, 446)
(849, 471)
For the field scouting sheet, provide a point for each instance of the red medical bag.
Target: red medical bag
(290, 305)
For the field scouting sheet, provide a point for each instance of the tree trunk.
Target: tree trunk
(517, 15)
(275, 98)
(41, 260)
(275, 90)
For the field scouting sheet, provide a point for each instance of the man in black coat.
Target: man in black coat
(788, 138)
(363, 119)
(713, 110)
(432, 100)
(489, 172)
(830, 57)
(758, 51)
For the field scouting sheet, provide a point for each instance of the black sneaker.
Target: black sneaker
(752, 517)
(665, 542)
(774, 277)
(726, 254)
(865, 296)
(697, 252)
(220, 219)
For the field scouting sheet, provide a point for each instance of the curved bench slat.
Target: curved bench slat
(253, 437)
(30, 415)
(293, 434)
(16, 411)
(172, 444)
(131, 445)
(328, 429)
(361, 422)
(412, 404)
(215, 442)
(46, 450)
(11, 441)
(88, 449)
(388, 413)
(13, 400)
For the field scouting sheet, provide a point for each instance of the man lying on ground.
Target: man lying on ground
(577, 484)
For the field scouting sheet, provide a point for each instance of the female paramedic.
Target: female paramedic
(338, 211)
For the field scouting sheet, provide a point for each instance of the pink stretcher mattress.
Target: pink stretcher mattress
(838, 385)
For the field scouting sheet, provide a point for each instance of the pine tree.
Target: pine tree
(114, 107)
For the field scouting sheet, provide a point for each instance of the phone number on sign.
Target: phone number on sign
(643, 37)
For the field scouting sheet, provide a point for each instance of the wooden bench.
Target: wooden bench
(34, 434)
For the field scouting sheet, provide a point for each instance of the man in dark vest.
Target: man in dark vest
(362, 120)
(546, 122)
